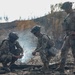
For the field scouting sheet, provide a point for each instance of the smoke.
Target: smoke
(28, 42)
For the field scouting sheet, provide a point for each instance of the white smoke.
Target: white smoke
(28, 42)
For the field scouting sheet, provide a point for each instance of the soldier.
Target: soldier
(69, 29)
(42, 47)
(10, 50)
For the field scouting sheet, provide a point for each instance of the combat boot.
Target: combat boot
(74, 67)
(43, 68)
(7, 69)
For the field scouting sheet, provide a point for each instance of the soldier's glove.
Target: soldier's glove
(34, 53)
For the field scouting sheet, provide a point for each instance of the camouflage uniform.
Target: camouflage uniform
(43, 46)
(5, 54)
(69, 28)
(15, 49)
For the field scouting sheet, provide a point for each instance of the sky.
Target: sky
(26, 9)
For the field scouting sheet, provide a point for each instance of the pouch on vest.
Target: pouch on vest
(50, 42)
(53, 51)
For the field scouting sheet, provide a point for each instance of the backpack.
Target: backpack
(50, 42)
(2, 42)
(52, 51)
(1, 51)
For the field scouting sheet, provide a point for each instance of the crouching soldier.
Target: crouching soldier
(43, 46)
(10, 50)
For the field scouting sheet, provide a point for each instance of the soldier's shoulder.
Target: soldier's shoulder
(74, 10)
(16, 42)
(73, 17)
(45, 36)
(5, 40)
(73, 13)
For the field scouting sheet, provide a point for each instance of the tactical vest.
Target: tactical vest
(12, 46)
(68, 23)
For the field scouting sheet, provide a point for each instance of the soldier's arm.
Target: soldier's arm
(37, 48)
(73, 18)
(65, 30)
(44, 44)
(73, 22)
(19, 47)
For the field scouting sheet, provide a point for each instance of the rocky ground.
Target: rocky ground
(69, 67)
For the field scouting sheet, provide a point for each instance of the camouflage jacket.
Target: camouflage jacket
(9, 48)
(44, 42)
(69, 22)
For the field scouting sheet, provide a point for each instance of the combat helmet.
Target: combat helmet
(66, 5)
(13, 36)
(35, 29)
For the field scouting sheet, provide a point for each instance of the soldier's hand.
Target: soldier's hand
(20, 56)
(34, 53)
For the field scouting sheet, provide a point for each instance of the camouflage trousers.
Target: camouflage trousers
(65, 48)
(16, 52)
(5, 59)
(45, 58)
